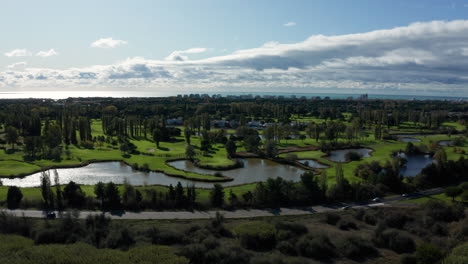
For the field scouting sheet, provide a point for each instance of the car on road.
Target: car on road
(377, 200)
(405, 195)
(346, 207)
(51, 215)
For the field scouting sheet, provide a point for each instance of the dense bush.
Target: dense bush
(256, 235)
(165, 236)
(394, 240)
(296, 228)
(344, 224)
(458, 255)
(317, 247)
(20, 250)
(332, 218)
(408, 259)
(286, 248)
(428, 253)
(210, 251)
(442, 211)
(356, 248)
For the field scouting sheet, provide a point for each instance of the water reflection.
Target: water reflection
(254, 170)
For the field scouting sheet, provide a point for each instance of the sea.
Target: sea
(128, 94)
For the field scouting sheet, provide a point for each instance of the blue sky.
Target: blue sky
(227, 45)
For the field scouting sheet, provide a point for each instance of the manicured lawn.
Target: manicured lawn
(11, 167)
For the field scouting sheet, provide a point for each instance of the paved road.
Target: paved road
(232, 214)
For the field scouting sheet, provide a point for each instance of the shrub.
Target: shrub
(332, 218)
(256, 235)
(370, 219)
(428, 253)
(286, 248)
(442, 211)
(395, 241)
(296, 228)
(395, 219)
(408, 259)
(165, 236)
(458, 255)
(318, 247)
(346, 225)
(356, 248)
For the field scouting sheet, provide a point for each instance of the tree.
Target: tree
(231, 148)
(112, 201)
(129, 197)
(251, 143)
(73, 195)
(14, 197)
(190, 152)
(58, 191)
(46, 191)
(217, 195)
(187, 134)
(311, 185)
(157, 136)
(11, 136)
(270, 149)
(323, 182)
(453, 192)
(100, 192)
(464, 196)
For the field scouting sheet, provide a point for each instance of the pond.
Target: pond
(340, 155)
(448, 143)
(409, 139)
(313, 164)
(415, 164)
(254, 170)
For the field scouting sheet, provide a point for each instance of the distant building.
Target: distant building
(175, 121)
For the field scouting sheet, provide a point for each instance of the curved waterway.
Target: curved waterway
(415, 163)
(313, 164)
(254, 170)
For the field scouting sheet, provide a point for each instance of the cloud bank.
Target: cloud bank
(429, 57)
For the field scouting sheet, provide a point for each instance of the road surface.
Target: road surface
(167, 215)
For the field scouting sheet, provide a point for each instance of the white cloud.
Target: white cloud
(428, 57)
(108, 43)
(289, 24)
(17, 66)
(178, 55)
(47, 53)
(18, 53)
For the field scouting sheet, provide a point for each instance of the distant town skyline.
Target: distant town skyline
(385, 47)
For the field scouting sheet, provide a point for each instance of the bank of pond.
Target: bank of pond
(253, 170)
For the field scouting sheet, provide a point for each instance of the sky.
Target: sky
(382, 47)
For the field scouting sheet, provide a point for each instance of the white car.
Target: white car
(377, 199)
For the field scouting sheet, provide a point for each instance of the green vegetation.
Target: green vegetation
(376, 235)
